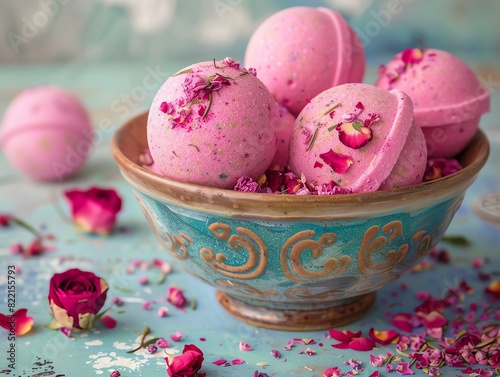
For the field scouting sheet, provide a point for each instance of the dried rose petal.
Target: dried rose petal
(383, 337)
(432, 320)
(5, 219)
(230, 63)
(412, 56)
(333, 372)
(176, 337)
(108, 321)
(219, 362)
(23, 322)
(403, 321)
(354, 135)
(237, 361)
(245, 347)
(377, 361)
(276, 354)
(337, 161)
(309, 352)
(494, 289)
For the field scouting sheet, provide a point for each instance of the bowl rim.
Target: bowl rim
(193, 195)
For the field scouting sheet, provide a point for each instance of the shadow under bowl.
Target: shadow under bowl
(294, 262)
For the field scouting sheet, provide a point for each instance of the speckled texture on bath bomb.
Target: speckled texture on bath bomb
(213, 142)
(285, 130)
(330, 142)
(46, 133)
(448, 98)
(301, 51)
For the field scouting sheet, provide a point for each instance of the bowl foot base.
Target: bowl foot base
(296, 320)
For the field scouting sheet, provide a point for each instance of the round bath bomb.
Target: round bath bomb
(447, 96)
(46, 133)
(359, 137)
(212, 123)
(301, 51)
(287, 120)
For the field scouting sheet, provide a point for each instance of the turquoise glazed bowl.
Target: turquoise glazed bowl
(294, 262)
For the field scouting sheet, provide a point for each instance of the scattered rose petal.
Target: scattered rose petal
(383, 337)
(276, 354)
(245, 347)
(94, 210)
(22, 322)
(237, 361)
(151, 349)
(354, 135)
(412, 56)
(143, 280)
(339, 163)
(176, 337)
(310, 352)
(117, 301)
(66, 331)
(220, 362)
(176, 297)
(147, 305)
(108, 321)
(494, 289)
(162, 343)
(333, 372)
(162, 311)
(403, 369)
(115, 373)
(403, 321)
(377, 361)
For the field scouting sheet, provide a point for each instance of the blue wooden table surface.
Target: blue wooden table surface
(116, 92)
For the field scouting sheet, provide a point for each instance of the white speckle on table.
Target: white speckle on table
(104, 361)
(96, 342)
(121, 346)
(133, 299)
(148, 290)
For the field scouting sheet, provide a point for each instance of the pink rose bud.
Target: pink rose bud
(75, 297)
(162, 343)
(147, 305)
(143, 280)
(162, 312)
(95, 209)
(176, 297)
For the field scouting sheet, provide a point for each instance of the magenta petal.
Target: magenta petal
(337, 161)
(341, 346)
(433, 319)
(362, 344)
(108, 322)
(220, 362)
(237, 361)
(403, 321)
(412, 55)
(339, 335)
(66, 331)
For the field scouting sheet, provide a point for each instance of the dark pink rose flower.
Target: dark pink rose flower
(95, 209)
(187, 364)
(75, 297)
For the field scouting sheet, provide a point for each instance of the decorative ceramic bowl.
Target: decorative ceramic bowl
(294, 262)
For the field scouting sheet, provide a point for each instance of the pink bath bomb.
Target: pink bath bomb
(46, 133)
(301, 51)
(212, 123)
(360, 137)
(447, 97)
(285, 130)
